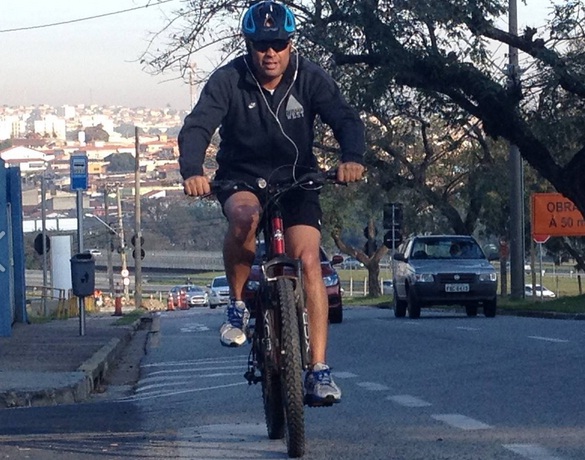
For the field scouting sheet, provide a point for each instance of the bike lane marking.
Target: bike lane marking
(2, 267)
(373, 386)
(408, 401)
(532, 451)
(461, 421)
(229, 441)
(547, 339)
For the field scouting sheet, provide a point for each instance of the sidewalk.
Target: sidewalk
(51, 363)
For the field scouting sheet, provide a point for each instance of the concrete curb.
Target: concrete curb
(78, 385)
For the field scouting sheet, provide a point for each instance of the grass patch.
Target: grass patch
(569, 304)
(129, 318)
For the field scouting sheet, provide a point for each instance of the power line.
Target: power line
(88, 18)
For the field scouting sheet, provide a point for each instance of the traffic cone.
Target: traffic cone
(118, 305)
(183, 301)
(170, 306)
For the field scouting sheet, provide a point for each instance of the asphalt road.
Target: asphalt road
(441, 387)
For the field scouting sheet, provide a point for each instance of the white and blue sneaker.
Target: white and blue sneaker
(233, 331)
(320, 389)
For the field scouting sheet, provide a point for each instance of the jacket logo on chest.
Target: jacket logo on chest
(294, 109)
(251, 105)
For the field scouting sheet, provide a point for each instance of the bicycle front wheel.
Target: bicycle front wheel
(291, 369)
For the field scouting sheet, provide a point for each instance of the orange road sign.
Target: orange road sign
(555, 215)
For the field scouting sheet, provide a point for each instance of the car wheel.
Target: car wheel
(489, 308)
(471, 310)
(335, 315)
(399, 306)
(413, 306)
(213, 307)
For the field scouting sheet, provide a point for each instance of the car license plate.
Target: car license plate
(458, 287)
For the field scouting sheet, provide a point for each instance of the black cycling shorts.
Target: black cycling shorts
(298, 207)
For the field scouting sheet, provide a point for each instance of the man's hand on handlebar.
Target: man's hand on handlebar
(350, 172)
(196, 186)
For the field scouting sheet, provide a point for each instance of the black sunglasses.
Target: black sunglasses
(276, 45)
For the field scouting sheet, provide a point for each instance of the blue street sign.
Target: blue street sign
(78, 172)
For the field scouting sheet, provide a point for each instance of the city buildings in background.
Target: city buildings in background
(41, 139)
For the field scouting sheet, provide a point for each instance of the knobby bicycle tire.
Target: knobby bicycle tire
(271, 386)
(291, 369)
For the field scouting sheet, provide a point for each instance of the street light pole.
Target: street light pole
(516, 178)
(122, 242)
(122, 253)
(109, 243)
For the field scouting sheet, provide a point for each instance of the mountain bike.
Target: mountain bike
(279, 326)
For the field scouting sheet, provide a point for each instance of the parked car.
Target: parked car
(219, 292)
(330, 278)
(387, 287)
(541, 291)
(351, 264)
(194, 296)
(443, 270)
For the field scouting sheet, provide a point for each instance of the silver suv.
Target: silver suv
(443, 270)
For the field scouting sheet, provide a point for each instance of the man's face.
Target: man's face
(270, 60)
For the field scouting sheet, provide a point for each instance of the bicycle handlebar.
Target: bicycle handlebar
(314, 179)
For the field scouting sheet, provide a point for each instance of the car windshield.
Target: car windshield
(446, 248)
(220, 282)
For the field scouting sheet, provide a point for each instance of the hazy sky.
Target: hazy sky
(95, 61)
(92, 61)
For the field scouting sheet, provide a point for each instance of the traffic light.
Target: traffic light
(392, 216)
(142, 253)
(38, 243)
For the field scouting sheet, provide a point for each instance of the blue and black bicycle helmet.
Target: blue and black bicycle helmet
(268, 21)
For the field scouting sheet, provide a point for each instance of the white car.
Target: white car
(219, 292)
(541, 291)
(387, 287)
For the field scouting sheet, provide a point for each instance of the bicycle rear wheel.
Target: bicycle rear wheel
(291, 369)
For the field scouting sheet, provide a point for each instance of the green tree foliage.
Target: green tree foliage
(438, 49)
(121, 162)
(435, 95)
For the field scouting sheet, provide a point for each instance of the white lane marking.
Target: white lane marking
(461, 421)
(344, 375)
(547, 339)
(240, 358)
(468, 328)
(409, 401)
(194, 369)
(2, 268)
(181, 392)
(195, 327)
(161, 382)
(373, 386)
(230, 441)
(532, 451)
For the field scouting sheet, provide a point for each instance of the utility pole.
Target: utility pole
(44, 233)
(137, 229)
(109, 253)
(517, 251)
(122, 242)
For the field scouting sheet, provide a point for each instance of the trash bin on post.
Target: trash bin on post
(83, 274)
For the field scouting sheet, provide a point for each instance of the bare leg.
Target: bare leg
(242, 210)
(303, 242)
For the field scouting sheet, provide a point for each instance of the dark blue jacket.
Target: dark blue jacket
(253, 142)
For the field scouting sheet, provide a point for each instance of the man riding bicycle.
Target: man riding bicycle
(265, 103)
